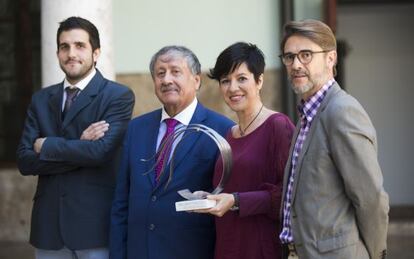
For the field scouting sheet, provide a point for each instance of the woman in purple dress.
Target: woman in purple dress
(247, 212)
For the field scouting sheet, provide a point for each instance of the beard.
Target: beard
(300, 90)
(314, 81)
(76, 75)
(82, 68)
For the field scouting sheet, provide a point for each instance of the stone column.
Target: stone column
(99, 12)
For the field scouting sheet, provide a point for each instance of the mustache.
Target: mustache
(71, 60)
(298, 73)
(167, 87)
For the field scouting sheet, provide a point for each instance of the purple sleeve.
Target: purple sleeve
(267, 200)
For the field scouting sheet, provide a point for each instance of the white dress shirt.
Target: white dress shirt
(183, 118)
(81, 85)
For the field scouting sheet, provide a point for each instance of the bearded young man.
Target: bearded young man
(71, 141)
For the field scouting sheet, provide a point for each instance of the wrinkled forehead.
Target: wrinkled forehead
(296, 43)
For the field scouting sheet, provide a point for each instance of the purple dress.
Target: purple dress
(257, 175)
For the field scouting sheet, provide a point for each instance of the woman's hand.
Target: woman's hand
(224, 201)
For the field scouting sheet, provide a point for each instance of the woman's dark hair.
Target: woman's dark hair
(80, 23)
(233, 56)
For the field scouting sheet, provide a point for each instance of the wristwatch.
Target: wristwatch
(236, 201)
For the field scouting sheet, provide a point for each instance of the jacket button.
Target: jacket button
(154, 198)
(151, 227)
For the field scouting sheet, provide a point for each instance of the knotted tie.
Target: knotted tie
(165, 152)
(70, 98)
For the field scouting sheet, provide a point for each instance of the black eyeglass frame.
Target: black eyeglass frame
(297, 55)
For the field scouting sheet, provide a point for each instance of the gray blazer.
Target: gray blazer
(340, 208)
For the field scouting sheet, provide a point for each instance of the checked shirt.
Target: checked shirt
(307, 110)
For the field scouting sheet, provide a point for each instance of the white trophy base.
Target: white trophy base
(194, 205)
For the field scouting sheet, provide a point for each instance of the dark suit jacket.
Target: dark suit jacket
(144, 223)
(339, 208)
(76, 177)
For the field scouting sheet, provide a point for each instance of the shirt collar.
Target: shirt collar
(184, 117)
(308, 108)
(82, 83)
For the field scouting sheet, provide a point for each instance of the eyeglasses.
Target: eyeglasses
(304, 56)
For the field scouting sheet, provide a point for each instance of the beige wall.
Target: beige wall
(209, 95)
(16, 194)
(142, 27)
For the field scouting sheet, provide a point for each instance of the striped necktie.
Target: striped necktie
(165, 152)
(70, 98)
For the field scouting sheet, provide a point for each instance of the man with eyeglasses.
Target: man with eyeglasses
(334, 203)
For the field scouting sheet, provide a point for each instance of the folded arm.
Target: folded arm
(92, 153)
(28, 160)
(37, 155)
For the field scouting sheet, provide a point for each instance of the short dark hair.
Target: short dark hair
(80, 23)
(314, 30)
(236, 54)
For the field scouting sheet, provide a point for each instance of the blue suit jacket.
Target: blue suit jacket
(76, 177)
(144, 223)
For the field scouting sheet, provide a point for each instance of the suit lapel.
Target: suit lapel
(185, 145)
(55, 103)
(84, 98)
(334, 89)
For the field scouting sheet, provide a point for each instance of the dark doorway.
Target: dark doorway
(19, 69)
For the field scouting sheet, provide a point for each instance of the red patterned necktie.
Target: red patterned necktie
(165, 153)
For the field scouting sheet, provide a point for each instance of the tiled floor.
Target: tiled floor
(16, 250)
(401, 247)
(401, 239)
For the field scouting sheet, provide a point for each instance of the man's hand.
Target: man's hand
(37, 146)
(95, 131)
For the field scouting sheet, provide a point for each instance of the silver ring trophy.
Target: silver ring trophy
(196, 200)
